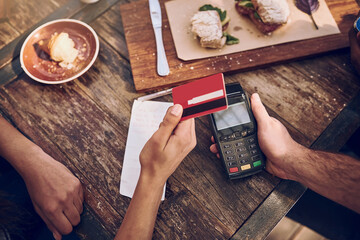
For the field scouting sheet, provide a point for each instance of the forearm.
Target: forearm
(16, 148)
(140, 217)
(335, 176)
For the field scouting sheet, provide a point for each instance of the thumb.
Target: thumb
(260, 113)
(169, 123)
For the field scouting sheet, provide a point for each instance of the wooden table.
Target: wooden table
(84, 125)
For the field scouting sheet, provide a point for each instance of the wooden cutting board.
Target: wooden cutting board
(140, 40)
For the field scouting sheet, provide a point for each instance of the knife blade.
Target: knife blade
(155, 14)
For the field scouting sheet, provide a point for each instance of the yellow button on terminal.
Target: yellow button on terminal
(245, 167)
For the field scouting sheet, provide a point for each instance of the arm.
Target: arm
(334, 176)
(159, 158)
(56, 193)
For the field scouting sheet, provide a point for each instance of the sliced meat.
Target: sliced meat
(265, 28)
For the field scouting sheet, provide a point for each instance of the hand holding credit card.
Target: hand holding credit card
(201, 97)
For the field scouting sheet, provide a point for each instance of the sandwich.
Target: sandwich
(209, 24)
(224, 18)
(267, 15)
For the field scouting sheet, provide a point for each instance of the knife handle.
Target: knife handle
(162, 64)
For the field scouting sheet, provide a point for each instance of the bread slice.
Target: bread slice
(267, 15)
(207, 26)
(272, 11)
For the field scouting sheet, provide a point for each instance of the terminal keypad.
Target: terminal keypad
(241, 152)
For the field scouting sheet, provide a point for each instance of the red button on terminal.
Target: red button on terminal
(234, 169)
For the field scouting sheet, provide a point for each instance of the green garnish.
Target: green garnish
(246, 3)
(249, 5)
(256, 15)
(230, 40)
(208, 7)
(225, 21)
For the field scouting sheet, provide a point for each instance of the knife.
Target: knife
(155, 14)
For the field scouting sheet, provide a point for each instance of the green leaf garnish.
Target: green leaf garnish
(230, 40)
(257, 15)
(208, 7)
(247, 4)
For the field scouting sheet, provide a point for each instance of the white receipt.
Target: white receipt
(145, 120)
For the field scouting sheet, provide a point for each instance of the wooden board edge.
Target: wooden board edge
(240, 70)
(337, 41)
(271, 211)
(342, 42)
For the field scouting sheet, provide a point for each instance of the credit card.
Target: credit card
(201, 97)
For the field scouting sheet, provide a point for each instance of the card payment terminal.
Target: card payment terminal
(235, 133)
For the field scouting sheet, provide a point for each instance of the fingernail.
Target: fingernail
(55, 236)
(176, 110)
(256, 97)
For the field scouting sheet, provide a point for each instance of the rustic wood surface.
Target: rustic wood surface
(142, 49)
(84, 125)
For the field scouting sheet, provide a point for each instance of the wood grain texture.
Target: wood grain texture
(23, 14)
(92, 11)
(341, 129)
(311, 85)
(84, 125)
(142, 50)
(109, 26)
(7, 33)
(10, 72)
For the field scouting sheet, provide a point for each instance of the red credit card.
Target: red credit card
(201, 97)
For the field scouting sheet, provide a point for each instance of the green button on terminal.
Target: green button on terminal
(257, 163)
